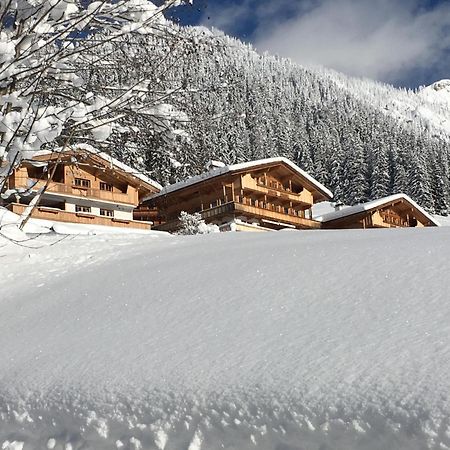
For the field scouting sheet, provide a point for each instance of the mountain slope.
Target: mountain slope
(360, 138)
(428, 108)
(437, 93)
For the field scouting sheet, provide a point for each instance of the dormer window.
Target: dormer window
(82, 182)
(105, 186)
(107, 212)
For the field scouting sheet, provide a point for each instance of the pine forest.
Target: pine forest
(360, 138)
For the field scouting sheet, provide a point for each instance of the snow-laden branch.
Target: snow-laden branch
(46, 48)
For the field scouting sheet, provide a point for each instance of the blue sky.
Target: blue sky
(403, 42)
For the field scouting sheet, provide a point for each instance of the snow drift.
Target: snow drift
(288, 341)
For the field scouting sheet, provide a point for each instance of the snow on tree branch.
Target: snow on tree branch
(46, 48)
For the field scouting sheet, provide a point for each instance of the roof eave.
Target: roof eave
(243, 168)
(390, 199)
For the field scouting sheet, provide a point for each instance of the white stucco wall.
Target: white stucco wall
(120, 212)
(70, 206)
(123, 215)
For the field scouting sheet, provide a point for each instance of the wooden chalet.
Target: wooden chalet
(260, 195)
(395, 211)
(87, 187)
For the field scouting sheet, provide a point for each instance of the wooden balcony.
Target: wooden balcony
(143, 213)
(239, 207)
(385, 219)
(59, 215)
(250, 184)
(77, 191)
(260, 213)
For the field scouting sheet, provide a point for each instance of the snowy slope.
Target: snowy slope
(443, 220)
(429, 107)
(436, 104)
(438, 92)
(288, 341)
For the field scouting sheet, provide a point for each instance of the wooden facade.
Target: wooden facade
(266, 194)
(395, 211)
(86, 187)
(58, 215)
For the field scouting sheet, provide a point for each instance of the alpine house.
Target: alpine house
(260, 195)
(82, 185)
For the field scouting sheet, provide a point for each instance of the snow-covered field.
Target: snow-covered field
(312, 340)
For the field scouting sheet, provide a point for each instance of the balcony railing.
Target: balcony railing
(252, 208)
(278, 216)
(387, 220)
(78, 191)
(276, 190)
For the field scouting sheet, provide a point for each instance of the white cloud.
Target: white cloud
(224, 17)
(383, 39)
(234, 16)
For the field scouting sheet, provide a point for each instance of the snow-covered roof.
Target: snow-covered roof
(238, 167)
(444, 221)
(322, 208)
(108, 158)
(368, 206)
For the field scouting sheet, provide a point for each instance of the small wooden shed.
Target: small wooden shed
(394, 211)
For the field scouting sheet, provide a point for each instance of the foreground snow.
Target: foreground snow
(288, 341)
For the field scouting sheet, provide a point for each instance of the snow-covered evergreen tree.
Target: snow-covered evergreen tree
(194, 224)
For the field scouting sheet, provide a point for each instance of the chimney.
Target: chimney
(213, 165)
(338, 206)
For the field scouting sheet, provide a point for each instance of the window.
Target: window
(82, 182)
(82, 209)
(36, 172)
(107, 212)
(105, 186)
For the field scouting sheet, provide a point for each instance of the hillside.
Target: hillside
(284, 341)
(437, 93)
(428, 108)
(360, 138)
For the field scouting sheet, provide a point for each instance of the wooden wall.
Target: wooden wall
(53, 214)
(263, 195)
(121, 191)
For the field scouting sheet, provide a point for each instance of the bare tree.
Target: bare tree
(46, 47)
